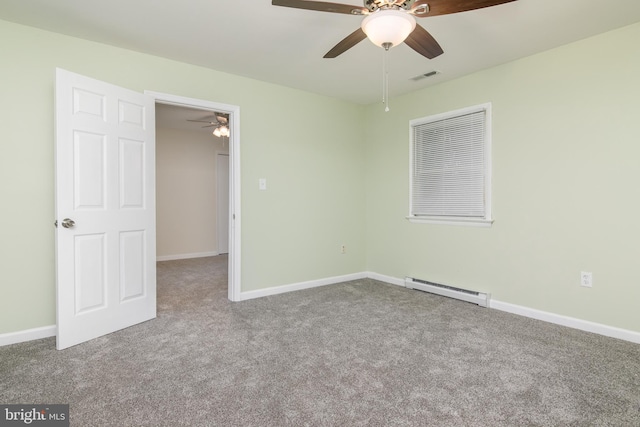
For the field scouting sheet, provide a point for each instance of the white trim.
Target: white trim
(386, 279)
(235, 258)
(558, 319)
(259, 293)
(28, 335)
(220, 202)
(583, 325)
(186, 256)
(571, 322)
(472, 222)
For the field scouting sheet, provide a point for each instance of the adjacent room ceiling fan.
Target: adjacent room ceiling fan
(219, 121)
(388, 23)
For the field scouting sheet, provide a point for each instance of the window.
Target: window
(450, 180)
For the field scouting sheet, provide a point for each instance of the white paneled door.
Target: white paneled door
(105, 208)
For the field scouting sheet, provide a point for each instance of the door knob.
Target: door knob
(68, 223)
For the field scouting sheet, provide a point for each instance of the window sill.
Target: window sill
(469, 222)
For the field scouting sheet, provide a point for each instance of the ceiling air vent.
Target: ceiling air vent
(425, 75)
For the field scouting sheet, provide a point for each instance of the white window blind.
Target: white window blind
(450, 165)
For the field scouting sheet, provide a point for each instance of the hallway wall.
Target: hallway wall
(186, 193)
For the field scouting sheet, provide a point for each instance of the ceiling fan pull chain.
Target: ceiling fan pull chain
(384, 72)
(385, 76)
(386, 89)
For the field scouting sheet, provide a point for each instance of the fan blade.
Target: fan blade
(202, 121)
(445, 7)
(422, 42)
(347, 43)
(322, 6)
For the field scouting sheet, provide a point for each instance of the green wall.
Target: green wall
(290, 233)
(566, 144)
(566, 184)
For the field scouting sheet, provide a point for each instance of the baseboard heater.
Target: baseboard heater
(473, 297)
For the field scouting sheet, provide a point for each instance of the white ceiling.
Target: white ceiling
(285, 46)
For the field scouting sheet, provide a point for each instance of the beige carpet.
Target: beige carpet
(360, 353)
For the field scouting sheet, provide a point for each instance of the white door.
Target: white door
(222, 172)
(105, 208)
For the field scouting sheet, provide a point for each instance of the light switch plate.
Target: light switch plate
(586, 279)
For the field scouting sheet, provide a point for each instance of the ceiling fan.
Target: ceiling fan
(219, 121)
(388, 23)
(216, 120)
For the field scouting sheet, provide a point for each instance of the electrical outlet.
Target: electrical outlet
(586, 279)
(343, 249)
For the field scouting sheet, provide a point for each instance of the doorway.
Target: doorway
(233, 176)
(191, 201)
(105, 205)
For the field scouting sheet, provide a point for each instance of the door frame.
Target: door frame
(220, 203)
(234, 177)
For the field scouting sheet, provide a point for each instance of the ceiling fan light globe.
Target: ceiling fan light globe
(388, 26)
(217, 132)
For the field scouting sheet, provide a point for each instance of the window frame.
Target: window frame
(487, 219)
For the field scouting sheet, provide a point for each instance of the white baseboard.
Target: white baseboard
(186, 256)
(584, 325)
(571, 322)
(299, 286)
(28, 335)
(558, 319)
(386, 279)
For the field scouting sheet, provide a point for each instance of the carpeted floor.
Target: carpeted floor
(361, 353)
